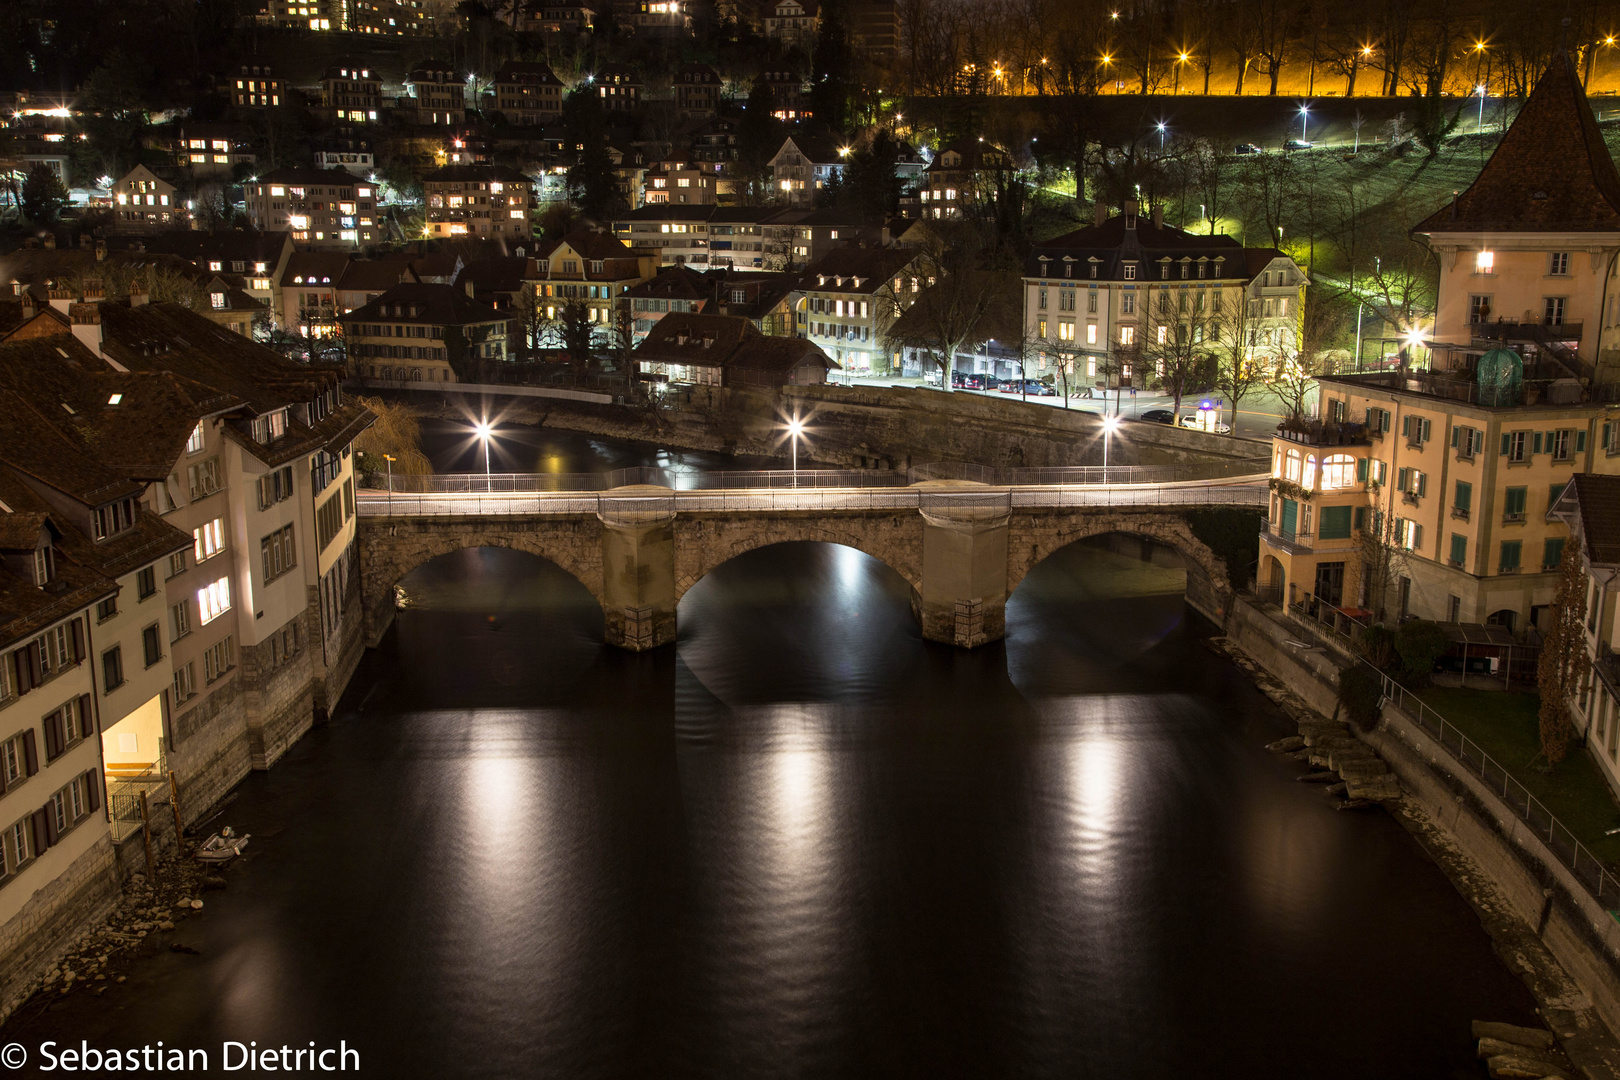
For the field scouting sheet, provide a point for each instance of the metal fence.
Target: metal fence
(124, 801)
(1092, 474)
(1586, 867)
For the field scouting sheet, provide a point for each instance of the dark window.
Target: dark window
(146, 583)
(151, 644)
(112, 669)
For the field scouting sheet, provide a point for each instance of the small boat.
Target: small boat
(223, 846)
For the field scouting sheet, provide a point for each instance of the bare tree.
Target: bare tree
(1564, 663)
(1176, 357)
(1232, 331)
(968, 290)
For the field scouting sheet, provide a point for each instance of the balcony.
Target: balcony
(1460, 513)
(1322, 433)
(1568, 331)
(1287, 539)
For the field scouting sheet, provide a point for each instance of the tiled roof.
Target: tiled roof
(305, 175)
(672, 283)
(779, 355)
(520, 71)
(873, 266)
(475, 174)
(373, 275)
(1112, 243)
(26, 609)
(315, 268)
(498, 274)
(1599, 500)
(596, 245)
(443, 305)
(705, 340)
(1552, 170)
(242, 245)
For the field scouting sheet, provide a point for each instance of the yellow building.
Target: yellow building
(1425, 493)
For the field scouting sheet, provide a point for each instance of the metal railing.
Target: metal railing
(1586, 867)
(611, 504)
(124, 801)
(1091, 474)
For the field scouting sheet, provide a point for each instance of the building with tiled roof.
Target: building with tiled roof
(1106, 289)
(478, 202)
(697, 91)
(1590, 508)
(726, 350)
(566, 17)
(324, 209)
(961, 173)
(351, 91)
(528, 93)
(847, 300)
(260, 257)
(425, 333)
(619, 87)
(176, 588)
(794, 22)
(1527, 251)
(438, 93)
(593, 267)
(805, 163)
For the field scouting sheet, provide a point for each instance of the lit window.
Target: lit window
(1485, 262)
(208, 540)
(214, 600)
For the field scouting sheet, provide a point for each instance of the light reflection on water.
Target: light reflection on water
(804, 842)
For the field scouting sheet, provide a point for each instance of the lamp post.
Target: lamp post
(484, 432)
(795, 428)
(1162, 130)
(1109, 424)
(1304, 120)
(390, 459)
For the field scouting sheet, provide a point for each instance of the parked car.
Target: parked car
(1158, 416)
(1033, 387)
(972, 380)
(1245, 148)
(1192, 420)
(1297, 144)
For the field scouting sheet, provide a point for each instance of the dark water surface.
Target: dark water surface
(804, 843)
(517, 448)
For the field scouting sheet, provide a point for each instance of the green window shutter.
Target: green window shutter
(1504, 444)
(1510, 554)
(1515, 500)
(1361, 470)
(1553, 493)
(1422, 485)
(1406, 427)
(1400, 478)
(1334, 523)
(1417, 536)
(1424, 431)
(1465, 495)
(1454, 433)
(1459, 549)
(1361, 518)
(1607, 428)
(1552, 553)
(1535, 446)
(1580, 442)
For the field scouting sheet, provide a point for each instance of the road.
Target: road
(1257, 417)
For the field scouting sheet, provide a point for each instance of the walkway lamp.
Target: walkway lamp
(795, 428)
(1109, 424)
(484, 433)
(390, 459)
(1304, 120)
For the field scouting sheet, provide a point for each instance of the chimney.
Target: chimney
(61, 299)
(1099, 212)
(1158, 215)
(94, 290)
(29, 308)
(87, 325)
(137, 293)
(468, 285)
(84, 240)
(50, 241)
(1131, 207)
(101, 251)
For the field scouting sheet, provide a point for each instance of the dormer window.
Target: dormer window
(114, 518)
(44, 564)
(1130, 271)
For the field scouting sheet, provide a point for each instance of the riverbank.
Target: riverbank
(1545, 925)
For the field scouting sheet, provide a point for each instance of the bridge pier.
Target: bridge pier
(638, 567)
(963, 599)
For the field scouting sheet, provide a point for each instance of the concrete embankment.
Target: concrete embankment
(1546, 926)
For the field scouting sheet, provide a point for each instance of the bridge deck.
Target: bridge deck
(1233, 491)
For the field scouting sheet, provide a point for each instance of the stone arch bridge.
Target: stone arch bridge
(963, 548)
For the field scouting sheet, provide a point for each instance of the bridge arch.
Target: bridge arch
(1031, 541)
(702, 545)
(390, 548)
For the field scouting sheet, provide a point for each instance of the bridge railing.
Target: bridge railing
(1090, 474)
(680, 479)
(613, 506)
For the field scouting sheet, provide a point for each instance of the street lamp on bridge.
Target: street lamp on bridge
(1109, 424)
(483, 432)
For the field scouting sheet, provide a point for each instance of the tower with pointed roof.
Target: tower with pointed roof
(1528, 251)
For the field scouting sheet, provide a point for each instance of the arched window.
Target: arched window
(1338, 471)
(1291, 463)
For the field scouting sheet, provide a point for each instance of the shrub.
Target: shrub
(1419, 644)
(1377, 644)
(1360, 693)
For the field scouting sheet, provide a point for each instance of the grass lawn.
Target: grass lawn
(1505, 726)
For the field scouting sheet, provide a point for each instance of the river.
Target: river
(805, 843)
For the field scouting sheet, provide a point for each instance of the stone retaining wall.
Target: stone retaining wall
(59, 911)
(1582, 937)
